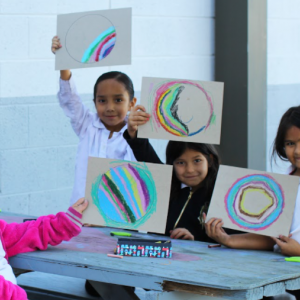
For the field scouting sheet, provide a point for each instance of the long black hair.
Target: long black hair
(176, 149)
(290, 118)
(118, 76)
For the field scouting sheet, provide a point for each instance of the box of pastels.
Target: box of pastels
(144, 248)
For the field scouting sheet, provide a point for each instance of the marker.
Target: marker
(214, 246)
(294, 258)
(123, 234)
(118, 233)
(114, 255)
(25, 220)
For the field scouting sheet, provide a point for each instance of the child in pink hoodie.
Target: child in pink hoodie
(33, 235)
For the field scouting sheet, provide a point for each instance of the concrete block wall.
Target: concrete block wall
(171, 38)
(283, 64)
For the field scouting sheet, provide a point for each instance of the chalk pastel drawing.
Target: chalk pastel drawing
(164, 100)
(125, 195)
(90, 38)
(101, 46)
(249, 187)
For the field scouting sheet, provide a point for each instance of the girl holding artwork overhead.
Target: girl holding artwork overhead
(100, 134)
(287, 147)
(194, 174)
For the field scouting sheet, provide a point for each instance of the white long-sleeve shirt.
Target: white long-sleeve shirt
(93, 136)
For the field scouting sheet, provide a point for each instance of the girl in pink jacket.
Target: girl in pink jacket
(33, 235)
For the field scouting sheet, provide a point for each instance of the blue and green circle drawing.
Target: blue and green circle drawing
(125, 195)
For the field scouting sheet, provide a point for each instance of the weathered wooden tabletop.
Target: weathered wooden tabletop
(195, 268)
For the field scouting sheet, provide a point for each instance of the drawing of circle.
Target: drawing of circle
(170, 101)
(252, 192)
(93, 44)
(251, 186)
(125, 195)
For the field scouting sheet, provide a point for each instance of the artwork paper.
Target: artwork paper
(124, 194)
(182, 110)
(94, 38)
(254, 201)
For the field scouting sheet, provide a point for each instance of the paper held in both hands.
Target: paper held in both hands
(254, 201)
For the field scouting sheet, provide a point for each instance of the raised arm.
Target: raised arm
(142, 149)
(69, 99)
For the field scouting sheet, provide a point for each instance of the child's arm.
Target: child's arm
(10, 291)
(181, 233)
(288, 246)
(138, 116)
(142, 149)
(33, 235)
(249, 241)
(56, 45)
(69, 100)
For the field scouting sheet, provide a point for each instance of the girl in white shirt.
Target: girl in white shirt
(100, 134)
(287, 147)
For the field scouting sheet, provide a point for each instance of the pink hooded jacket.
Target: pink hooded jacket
(35, 235)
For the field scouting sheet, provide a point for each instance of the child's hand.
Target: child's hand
(215, 231)
(181, 233)
(138, 116)
(287, 245)
(80, 205)
(55, 44)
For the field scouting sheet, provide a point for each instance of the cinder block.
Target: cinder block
(283, 9)
(154, 36)
(13, 127)
(48, 126)
(28, 78)
(28, 170)
(49, 202)
(28, 7)
(72, 6)
(41, 31)
(283, 70)
(86, 78)
(167, 8)
(14, 37)
(66, 160)
(186, 67)
(15, 203)
(283, 38)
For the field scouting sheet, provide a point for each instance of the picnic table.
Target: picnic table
(194, 272)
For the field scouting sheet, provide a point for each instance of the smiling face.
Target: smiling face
(292, 146)
(112, 103)
(191, 168)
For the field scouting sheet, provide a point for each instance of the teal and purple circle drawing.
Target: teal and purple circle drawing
(125, 195)
(170, 101)
(246, 216)
(93, 44)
